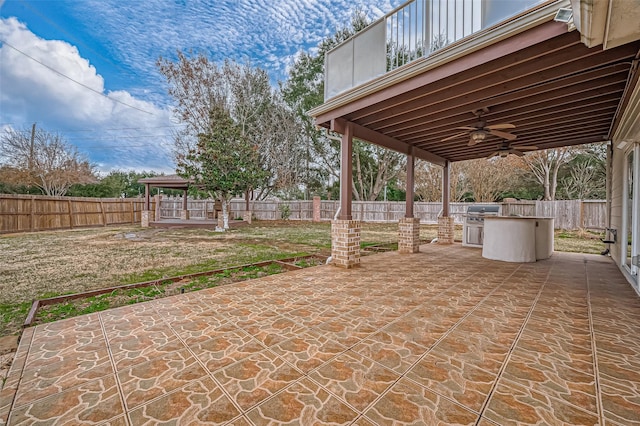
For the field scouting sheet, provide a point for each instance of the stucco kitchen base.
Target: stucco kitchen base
(517, 238)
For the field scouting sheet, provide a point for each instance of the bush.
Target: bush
(285, 211)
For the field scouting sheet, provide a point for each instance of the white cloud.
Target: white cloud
(33, 91)
(140, 31)
(131, 36)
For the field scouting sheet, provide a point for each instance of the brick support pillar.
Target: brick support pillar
(445, 229)
(409, 235)
(147, 217)
(345, 243)
(316, 209)
(246, 216)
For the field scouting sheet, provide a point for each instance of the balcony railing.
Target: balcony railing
(413, 30)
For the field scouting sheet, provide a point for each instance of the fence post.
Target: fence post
(33, 212)
(70, 214)
(104, 215)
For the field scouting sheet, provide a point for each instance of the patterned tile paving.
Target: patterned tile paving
(436, 338)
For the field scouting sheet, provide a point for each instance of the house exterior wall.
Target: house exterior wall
(617, 188)
(618, 208)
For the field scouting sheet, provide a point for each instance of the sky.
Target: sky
(86, 68)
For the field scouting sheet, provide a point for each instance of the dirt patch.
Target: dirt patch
(8, 347)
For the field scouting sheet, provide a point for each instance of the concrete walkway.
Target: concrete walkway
(439, 337)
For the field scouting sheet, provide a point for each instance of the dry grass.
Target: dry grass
(579, 241)
(49, 263)
(46, 264)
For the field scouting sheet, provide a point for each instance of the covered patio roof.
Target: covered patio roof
(533, 73)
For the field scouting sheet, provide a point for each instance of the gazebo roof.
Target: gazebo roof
(169, 181)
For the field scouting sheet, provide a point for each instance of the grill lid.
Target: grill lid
(484, 209)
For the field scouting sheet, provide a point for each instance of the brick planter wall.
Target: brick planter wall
(409, 235)
(445, 229)
(345, 243)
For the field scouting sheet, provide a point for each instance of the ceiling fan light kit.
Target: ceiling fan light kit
(478, 136)
(480, 131)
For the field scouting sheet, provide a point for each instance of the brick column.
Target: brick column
(147, 217)
(445, 229)
(246, 216)
(345, 243)
(409, 235)
(316, 209)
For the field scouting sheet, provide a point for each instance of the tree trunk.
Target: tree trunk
(226, 205)
(546, 184)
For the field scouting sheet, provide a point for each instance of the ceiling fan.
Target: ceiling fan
(505, 149)
(480, 130)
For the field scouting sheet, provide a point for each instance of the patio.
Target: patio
(438, 337)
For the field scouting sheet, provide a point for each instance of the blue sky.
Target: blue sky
(116, 110)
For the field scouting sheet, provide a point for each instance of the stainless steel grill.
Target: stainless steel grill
(473, 228)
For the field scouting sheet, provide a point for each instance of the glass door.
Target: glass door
(631, 222)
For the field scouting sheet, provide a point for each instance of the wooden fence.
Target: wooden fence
(25, 213)
(568, 214)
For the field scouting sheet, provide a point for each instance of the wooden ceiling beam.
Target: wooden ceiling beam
(557, 134)
(371, 136)
(611, 84)
(567, 142)
(541, 116)
(500, 86)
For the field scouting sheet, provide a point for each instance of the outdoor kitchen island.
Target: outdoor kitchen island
(517, 238)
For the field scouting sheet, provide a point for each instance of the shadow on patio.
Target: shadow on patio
(439, 337)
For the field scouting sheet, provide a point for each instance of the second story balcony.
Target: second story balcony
(414, 30)
(413, 80)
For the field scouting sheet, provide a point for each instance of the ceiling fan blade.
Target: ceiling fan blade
(455, 136)
(503, 135)
(527, 147)
(516, 152)
(495, 154)
(501, 126)
(466, 128)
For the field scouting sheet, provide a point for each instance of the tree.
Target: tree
(545, 166)
(115, 185)
(428, 182)
(584, 177)
(199, 85)
(373, 167)
(224, 161)
(487, 179)
(45, 161)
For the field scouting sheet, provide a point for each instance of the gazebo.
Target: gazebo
(169, 182)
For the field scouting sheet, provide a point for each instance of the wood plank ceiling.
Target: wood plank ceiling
(555, 90)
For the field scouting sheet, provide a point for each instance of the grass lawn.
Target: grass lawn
(47, 264)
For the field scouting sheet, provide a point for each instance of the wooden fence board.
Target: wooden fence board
(23, 213)
(568, 214)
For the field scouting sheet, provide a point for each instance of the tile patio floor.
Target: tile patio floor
(439, 337)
